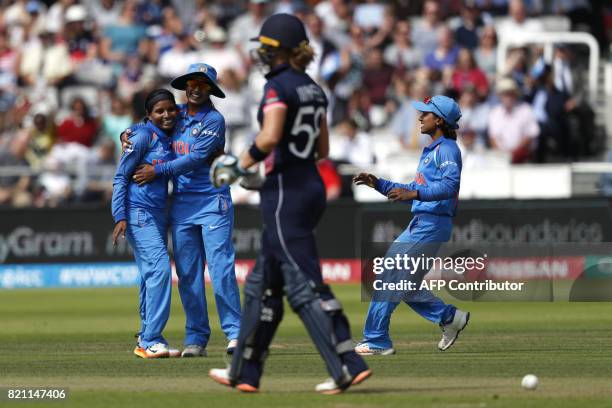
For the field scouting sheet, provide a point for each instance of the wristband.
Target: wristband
(257, 154)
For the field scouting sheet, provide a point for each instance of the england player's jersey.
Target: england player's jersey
(306, 106)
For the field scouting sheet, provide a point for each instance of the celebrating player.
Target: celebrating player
(202, 216)
(140, 214)
(434, 195)
(294, 134)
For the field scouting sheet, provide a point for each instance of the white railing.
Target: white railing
(549, 39)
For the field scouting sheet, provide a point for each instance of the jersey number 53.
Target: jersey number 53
(306, 121)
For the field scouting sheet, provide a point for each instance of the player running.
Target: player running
(294, 134)
(202, 215)
(434, 193)
(140, 214)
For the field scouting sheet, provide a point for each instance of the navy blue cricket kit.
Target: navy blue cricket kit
(292, 202)
(144, 210)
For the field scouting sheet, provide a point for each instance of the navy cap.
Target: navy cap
(199, 70)
(442, 106)
(282, 30)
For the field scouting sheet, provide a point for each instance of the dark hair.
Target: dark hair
(449, 132)
(155, 96)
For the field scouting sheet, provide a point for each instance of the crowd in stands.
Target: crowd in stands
(74, 74)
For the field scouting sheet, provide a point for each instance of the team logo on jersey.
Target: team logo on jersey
(271, 96)
(195, 131)
(426, 160)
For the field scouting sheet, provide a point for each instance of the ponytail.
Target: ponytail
(449, 132)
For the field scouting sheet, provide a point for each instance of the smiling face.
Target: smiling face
(163, 115)
(429, 123)
(198, 91)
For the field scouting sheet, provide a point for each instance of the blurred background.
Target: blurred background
(533, 79)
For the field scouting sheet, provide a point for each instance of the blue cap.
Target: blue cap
(442, 106)
(199, 70)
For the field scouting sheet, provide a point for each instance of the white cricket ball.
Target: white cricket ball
(530, 382)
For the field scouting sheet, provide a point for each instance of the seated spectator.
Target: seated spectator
(377, 76)
(466, 35)
(77, 35)
(467, 74)
(247, 26)
(46, 58)
(336, 16)
(472, 148)
(446, 53)
(486, 53)
(175, 61)
(235, 107)
(550, 106)
(121, 39)
(79, 126)
(95, 182)
(223, 56)
(425, 33)
(116, 121)
(474, 114)
(401, 54)
(41, 136)
(15, 188)
(321, 45)
(517, 22)
(512, 124)
(9, 69)
(350, 145)
(105, 12)
(405, 123)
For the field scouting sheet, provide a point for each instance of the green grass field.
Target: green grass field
(82, 339)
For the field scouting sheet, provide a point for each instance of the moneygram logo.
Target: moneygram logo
(24, 242)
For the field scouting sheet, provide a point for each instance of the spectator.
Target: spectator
(401, 54)
(235, 107)
(369, 15)
(40, 136)
(466, 35)
(9, 69)
(116, 121)
(78, 37)
(95, 182)
(486, 53)
(377, 75)
(319, 43)
(467, 74)
(405, 123)
(474, 114)
(133, 74)
(351, 145)
(224, 57)
(425, 33)
(79, 126)
(472, 148)
(45, 59)
(445, 55)
(15, 188)
(55, 16)
(175, 61)
(518, 22)
(106, 12)
(512, 124)
(121, 38)
(247, 26)
(336, 16)
(550, 106)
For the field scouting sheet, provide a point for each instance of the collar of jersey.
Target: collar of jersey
(198, 116)
(435, 143)
(155, 129)
(277, 70)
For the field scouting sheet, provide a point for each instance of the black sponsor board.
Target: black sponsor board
(84, 234)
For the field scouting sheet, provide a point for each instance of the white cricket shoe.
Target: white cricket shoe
(231, 346)
(194, 350)
(330, 387)
(158, 350)
(450, 331)
(365, 349)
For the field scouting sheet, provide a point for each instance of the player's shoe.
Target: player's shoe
(450, 331)
(158, 350)
(366, 349)
(231, 346)
(173, 353)
(194, 350)
(221, 376)
(330, 387)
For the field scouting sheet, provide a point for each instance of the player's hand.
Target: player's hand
(144, 174)
(401, 194)
(126, 144)
(120, 228)
(365, 179)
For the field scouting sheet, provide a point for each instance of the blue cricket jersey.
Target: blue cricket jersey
(150, 145)
(306, 105)
(437, 180)
(194, 140)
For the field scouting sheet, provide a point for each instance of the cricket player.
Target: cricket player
(293, 135)
(434, 193)
(202, 215)
(140, 214)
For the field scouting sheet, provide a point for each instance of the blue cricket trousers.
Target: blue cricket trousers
(147, 234)
(424, 231)
(202, 227)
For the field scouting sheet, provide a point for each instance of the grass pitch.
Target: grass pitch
(81, 339)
